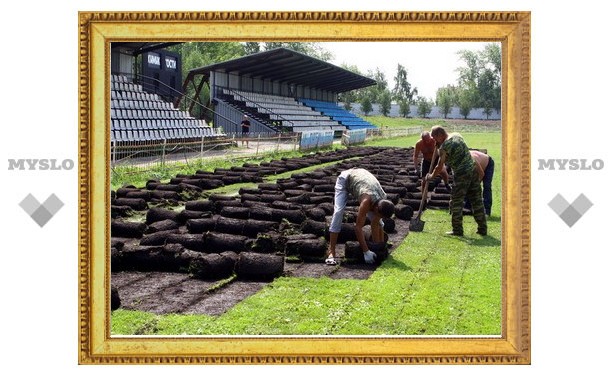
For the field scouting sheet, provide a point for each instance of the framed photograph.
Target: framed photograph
(99, 31)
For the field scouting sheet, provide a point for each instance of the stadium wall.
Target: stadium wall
(476, 113)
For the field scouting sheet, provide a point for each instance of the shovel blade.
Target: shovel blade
(416, 225)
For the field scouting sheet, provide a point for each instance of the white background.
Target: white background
(570, 266)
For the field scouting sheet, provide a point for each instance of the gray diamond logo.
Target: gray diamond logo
(570, 213)
(41, 213)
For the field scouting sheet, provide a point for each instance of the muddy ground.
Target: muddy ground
(165, 293)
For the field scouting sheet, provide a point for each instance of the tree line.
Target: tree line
(478, 86)
(478, 82)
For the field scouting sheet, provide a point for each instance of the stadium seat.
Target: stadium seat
(146, 134)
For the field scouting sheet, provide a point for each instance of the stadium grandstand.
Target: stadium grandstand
(142, 98)
(280, 90)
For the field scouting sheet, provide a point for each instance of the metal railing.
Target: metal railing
(132, 157)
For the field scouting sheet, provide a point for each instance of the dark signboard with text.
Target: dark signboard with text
(161, 71)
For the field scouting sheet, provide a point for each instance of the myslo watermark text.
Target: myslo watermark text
(40, 164)
(570, 164)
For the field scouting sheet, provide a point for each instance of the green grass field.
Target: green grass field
(432, 284)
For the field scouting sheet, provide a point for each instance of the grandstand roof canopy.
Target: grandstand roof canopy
(138, 48)
(289, 66)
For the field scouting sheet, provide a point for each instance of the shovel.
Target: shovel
(417, 224)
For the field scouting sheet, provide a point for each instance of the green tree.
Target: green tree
(482, 71)
(487, 110)
(381, 81)
(199, 54)
(424, 106)
(468, 74)
(466, 101)
(366, 105)
(355, 95)
(403, 89)
(404, 108)
(251, 48)
(446, 98)
(381, 85)
(492, 55)
(489, 90)
(385, 102)
(347, 98)
(374, 92)
(312, 49)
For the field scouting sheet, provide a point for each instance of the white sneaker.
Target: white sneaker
(330, 261)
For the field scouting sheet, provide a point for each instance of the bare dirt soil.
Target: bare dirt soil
(165, 293)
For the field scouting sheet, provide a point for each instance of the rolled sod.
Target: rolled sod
(259, 266)
(404, 212)
(156, 214)
(138, 204)
(125, 229)
(307, 249)
(157, 238)
(219, 242)
(200, 205)
(213, 265)
(194, 242)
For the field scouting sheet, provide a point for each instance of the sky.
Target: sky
(430, 65)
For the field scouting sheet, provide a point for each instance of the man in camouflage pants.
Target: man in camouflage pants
(456, 154)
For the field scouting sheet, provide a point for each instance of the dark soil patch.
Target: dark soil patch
(216, 303)
(166, 293)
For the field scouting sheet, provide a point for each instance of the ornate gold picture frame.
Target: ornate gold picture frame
(98, 29)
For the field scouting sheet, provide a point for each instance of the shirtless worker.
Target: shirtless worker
(485, 167)
(427, 146)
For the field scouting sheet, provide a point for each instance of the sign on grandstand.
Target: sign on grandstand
(154, 60)
(316, 139)
(161, 71)
(354, 136)
(170, 63)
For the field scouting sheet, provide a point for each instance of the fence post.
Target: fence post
(257, 148)
(163, 159)
(202, 147)
(278, 143)
(114, 154)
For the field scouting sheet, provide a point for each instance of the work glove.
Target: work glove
(428, 177)
(369, 257)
